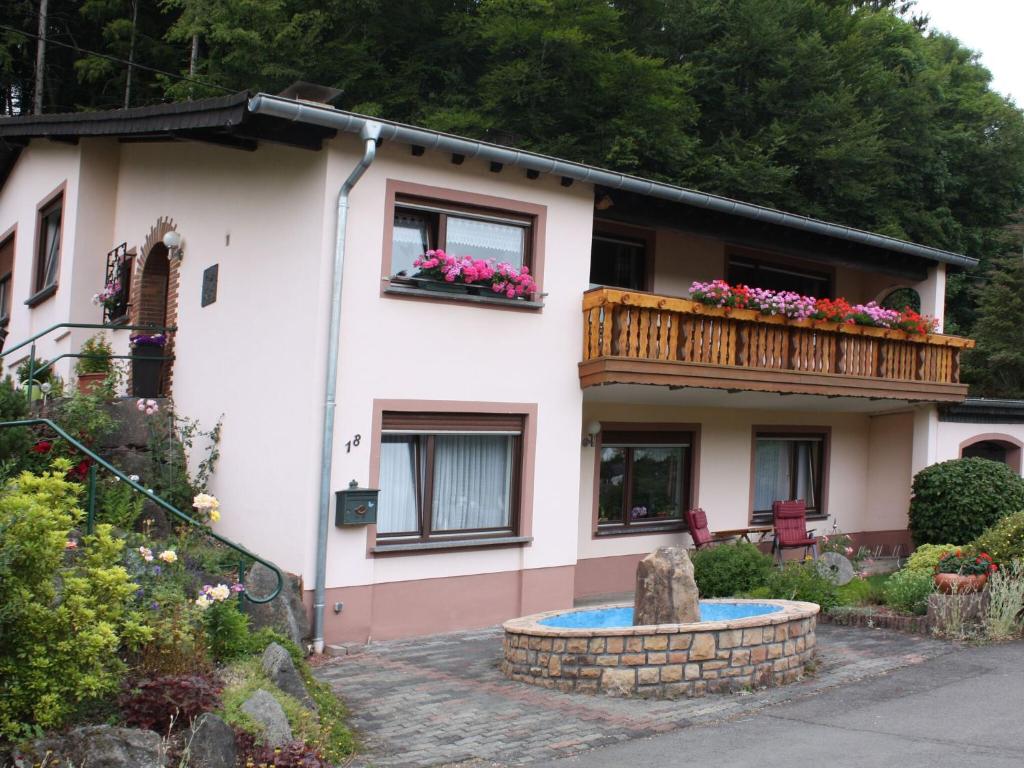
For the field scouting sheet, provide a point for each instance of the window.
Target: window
(48, 258)
(449, 475)
(618, 262)
(788, 466)
(644, 480)
(778, 277)
(482, 233)
(6, 272)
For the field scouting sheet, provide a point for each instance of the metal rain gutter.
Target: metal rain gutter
(328, 117)
(369, 132)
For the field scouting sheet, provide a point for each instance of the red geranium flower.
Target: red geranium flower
(43, 446)
(80, 471)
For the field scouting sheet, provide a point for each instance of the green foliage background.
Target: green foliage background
(855, 111)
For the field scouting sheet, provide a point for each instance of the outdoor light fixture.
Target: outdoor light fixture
(173, 242)
(593, 430)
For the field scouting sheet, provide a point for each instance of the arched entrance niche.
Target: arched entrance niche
(995, 447)
(155, 290)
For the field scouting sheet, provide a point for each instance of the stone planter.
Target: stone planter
(146, 371)
(956, 583)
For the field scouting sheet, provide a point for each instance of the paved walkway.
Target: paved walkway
(443, 700)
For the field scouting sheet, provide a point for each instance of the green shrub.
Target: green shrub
(227, 631)
(118, 504)
(803, 581)
(908, 590)
(867, 591)
(14, 443)
(98, 352)
(730, 569)
(957, 500)
(926, 557)
(1004, 541)
(65, 613)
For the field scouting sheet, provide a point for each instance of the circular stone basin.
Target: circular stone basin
(739, 644)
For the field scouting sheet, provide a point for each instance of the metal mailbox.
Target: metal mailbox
(356, 506)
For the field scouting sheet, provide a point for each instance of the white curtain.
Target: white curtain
(472, 481)
(771, 473)
(52, 249)
(485, 240)
(396, 510)
(409, 239)
(805, 472)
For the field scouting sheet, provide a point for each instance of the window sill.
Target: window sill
(117, 321)
(38, 298)
(427, 546)
(638, 530)
(394, 289)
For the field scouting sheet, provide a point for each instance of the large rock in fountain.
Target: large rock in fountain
(665, 590)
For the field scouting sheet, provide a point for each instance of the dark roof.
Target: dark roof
(981, 410)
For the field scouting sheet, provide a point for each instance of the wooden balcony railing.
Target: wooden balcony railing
(631, 337)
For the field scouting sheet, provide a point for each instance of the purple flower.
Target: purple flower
(154, 606)
(156, 570)
(142, 340)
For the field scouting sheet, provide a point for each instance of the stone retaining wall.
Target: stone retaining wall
(664, 660)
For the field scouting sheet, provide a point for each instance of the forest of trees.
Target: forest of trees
(849, 110)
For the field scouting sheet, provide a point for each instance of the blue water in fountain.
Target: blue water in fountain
(606, 618)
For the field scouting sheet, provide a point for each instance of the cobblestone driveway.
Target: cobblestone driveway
(442, 700)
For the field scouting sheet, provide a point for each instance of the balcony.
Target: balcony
(642, 338)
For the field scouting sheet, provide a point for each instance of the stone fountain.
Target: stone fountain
(666, 592)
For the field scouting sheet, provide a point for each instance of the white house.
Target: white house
(529, 450)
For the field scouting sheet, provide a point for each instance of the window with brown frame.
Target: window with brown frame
(449, 475)
(645, 481)
(761, 273)
(619, 262)
(48, 237)
(6, 274)
(788, 466)
(461, 230)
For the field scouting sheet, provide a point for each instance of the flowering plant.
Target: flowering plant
(142, 340)
(208, 506)
(209, 595)
(955, 561)
(109, 296)
(795, 306)
(502, 278)
(148, 406)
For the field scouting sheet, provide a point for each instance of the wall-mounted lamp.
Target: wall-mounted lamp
(593, 430)
(172, 240)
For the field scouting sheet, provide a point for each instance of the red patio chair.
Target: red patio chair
(697, 522)
(791, 529)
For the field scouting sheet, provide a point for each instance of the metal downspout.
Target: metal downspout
(369, 133)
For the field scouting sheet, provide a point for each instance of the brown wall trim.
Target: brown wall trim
(11, 236)
(616, 370)
(1013, 445)
(643, 426)
(396, 187)
(393, 610)
(826, 459)
(527, 410)
(37, 295)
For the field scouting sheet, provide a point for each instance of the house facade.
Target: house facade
(528, 451)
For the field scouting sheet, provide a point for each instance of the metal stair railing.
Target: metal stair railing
(163, 503)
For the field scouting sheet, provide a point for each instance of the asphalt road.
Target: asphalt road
(960, 709)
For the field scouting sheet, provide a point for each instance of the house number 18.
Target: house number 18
(353, 442)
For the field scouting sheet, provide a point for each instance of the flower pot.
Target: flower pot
(442, 286)
(147, 367)
(90, 382)
(948, 583)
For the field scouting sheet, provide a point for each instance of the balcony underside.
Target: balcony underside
(678, 375)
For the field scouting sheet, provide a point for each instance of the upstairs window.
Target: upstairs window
(618, 262)
(449, 476)
(481, 233)
(6, 277)
(49, 242)
(758, 273)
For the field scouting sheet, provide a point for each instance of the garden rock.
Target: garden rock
(264, 709)
(133, 426)
(285, 613)
(101, 746)
(279, 667)
(665, 590)
(836, 568)
(211, 743)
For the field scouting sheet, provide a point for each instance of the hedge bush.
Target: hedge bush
(926, 557)
(957, 500)
(730, 569)
(1004, 541)
(803, 581)
(908, 590)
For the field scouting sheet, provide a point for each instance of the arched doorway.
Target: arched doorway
(153, 287)
(154, 292)
(1001, 448)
